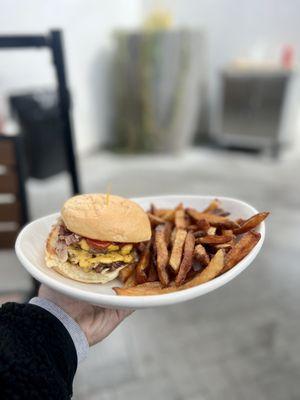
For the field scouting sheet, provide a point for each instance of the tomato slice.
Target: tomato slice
(97, 244)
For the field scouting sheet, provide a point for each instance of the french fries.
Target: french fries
(251, 223)
(212, 219)
(126, 272)
(160, 212)
(168, 215)
(152, 275)
(213, 205)
(168, 232)
(131, 280)
(221, 212)
(241, 249)
(212, 230)
(143, 264)
(177, 249)
(180, 221)
(210, 272)
(214, 239)
(155, 220)
(213, 269)
(188, 247)
(202, 224)
(186, 263)
(201, 255)
(225, 246)
(162, 254)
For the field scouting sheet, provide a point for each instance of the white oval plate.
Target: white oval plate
(30, 251)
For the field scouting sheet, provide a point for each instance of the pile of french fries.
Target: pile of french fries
(188, 248)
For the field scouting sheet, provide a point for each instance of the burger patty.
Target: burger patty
(112, 266)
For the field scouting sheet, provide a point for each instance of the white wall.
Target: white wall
(88, 27)
(247, 28)
(234, 28)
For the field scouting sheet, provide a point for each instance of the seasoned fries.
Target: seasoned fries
(212, 219)
(152, 275)
(212, 230)
(187, 260)
(162, 254)
(155, 220)
(210, 272)
(188, 248)
(251, 223)
(126, 272)
(202, 225)
(241, 249)
(143, 264)
(180, 221)
(177, 249)
(131, 280)
(214, 239)
(201, 255)
(213, 269)
(213, 205)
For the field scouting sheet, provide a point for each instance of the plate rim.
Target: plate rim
(115, 301)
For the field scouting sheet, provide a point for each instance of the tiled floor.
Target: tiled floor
(238, 343)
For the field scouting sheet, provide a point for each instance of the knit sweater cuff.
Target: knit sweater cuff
(76, 333)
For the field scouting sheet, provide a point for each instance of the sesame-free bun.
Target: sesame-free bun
(72, 271)
(106, 217)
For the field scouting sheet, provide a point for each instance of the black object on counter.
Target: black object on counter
(41, 127)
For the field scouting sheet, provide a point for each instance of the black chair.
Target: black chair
(52, 42)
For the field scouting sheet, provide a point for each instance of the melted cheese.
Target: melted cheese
(84, 245)
(88, 260)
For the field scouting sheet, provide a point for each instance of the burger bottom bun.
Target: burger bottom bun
(76, 273)
(72, 271)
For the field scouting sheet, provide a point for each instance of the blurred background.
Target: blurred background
(155, 97)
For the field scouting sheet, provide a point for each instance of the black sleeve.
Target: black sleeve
(37, 356)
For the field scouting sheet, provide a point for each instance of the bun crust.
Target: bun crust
(114, 219)
(73, 271)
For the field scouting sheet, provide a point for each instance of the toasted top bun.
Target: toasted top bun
(72, 271)
(109, 218)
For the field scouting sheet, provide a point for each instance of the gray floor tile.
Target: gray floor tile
(240, 342)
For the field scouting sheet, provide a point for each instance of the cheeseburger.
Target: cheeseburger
(96, 236)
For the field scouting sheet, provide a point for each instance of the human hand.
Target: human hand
(96, 322)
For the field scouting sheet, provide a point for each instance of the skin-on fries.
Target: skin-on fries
(214, 239)
(162, 254)
(143, 264)
(126, 272)
(201, 255)
(152, 275)
(251, 223)
(188, 248)
(226, 246)
(241, 249)
(212, 230)
(168, 215)
(213, 205)
(180, 221)
(131, 280)
(212, 219)
(177, 249)
(155, 220)
(186, 263)
(210, 272)
(202, 225)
